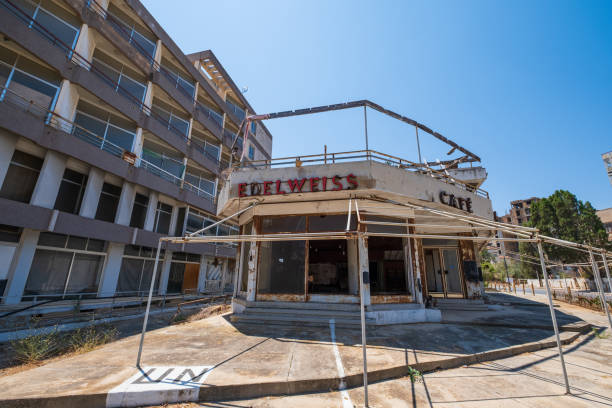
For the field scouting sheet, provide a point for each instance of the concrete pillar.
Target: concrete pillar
(408, 267)
(165, 273)
(49, 179)
(138, 144)
(238, 267)
(158, 52)
(202, 274)
(173, 220)
(352, 252)
(126, 203)
(66, 104)
(112, 267)
(20, 266)
(418, 263)
(252, 264)
(148, 99)
(95, 181)
(364, 265)
(225, 274)
(151, 208)
(85, 45)
(8, 142)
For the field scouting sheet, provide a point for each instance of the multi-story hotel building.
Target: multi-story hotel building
(110, 137)
(607, 158)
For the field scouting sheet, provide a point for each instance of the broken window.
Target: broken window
(21, 177)
(328, 266)
(387, 267)
(281, 267)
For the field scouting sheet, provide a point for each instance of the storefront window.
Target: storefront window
(273, 225)
(281, 267)
(387, 267)
(328, 266)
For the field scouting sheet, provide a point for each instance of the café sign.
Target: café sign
(303, 185)
(452, 200)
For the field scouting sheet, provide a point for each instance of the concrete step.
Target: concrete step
(309, 321)
(302, 312)
(474, 308)
(302, 305)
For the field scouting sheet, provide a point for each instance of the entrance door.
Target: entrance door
(190, 278)
(442, 271)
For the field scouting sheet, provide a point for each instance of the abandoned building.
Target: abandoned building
(110, 138)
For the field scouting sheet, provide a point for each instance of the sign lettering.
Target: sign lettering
(303, 185)
(461, 203)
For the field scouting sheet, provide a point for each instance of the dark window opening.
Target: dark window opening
(21, 177)
(139, 211)
(387, 267)
(163, 215)
(71, 191)
(109, 201)
(328, 266)
(281, 267)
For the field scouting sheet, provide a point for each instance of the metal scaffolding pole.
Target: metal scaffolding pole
(599, 284)
(146, 318)
(552, 315)
(605, 262)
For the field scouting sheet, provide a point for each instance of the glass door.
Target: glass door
(452, 276)
(433, 268)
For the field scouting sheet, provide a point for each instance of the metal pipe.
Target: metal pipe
(146, 318)
(503, 249)
(348, 218)
(363, 328)
(599, 284)
(416, 129)
(365, 121)
(552, 315)
(605, 262)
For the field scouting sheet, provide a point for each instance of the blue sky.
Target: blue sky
(525, 85)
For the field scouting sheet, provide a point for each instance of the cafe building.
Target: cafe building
(310, 225)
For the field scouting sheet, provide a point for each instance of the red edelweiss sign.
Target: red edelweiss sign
(303, 185)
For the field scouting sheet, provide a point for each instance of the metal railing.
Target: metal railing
(239, 112)
(360, 155)
(82, 61)
(58, 122)
(214, 116)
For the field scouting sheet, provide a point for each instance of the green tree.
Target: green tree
(565, 217)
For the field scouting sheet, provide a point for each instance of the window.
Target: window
(65, 265)
(107, 131)
(21, 177)
(184, 271)
(180, 80)
(251, 152)
(163, 216)
(139, 211)
(121, 78)
(71, 192)
(201, 181)
(143, 41)
(109, 201)
(387, 268)
(171, 117)
(163, 162)
(137, 270)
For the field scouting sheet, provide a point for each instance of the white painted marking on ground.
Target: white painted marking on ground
(159, 385)
(346, 399)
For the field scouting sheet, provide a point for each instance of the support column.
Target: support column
(165, 273)
(224, 274)
(202, 274)
(91, 196)
(112, 267)
(126, 202)
(238, 268)
(8, 142)
(20, 266)
(364, 266)
(252, 260)
(49, 179)
(151, 208)
(85, 44)
(173, 220)
(66, 104)
(137, 147)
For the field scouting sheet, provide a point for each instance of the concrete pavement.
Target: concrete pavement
(213, 359)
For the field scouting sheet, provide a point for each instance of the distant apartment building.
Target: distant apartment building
(606, 217)
(520, 213)
(607, 158)
(110, 138)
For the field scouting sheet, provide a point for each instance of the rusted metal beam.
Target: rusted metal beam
(369, 104)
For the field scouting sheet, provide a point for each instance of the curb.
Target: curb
(258, 390)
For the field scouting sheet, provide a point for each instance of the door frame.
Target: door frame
(444, 293)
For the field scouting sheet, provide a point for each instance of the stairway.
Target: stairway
(309, 314)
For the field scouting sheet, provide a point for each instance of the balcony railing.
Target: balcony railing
(58, 122)
(361, 155)
(239, 112)
(214, 116)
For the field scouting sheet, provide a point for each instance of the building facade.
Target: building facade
(306, 249)
(110, 138)
(606, 218)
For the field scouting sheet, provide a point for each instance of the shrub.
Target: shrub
(36, 347)
(87, 338)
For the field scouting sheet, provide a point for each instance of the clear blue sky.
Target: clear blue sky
(525, 85)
